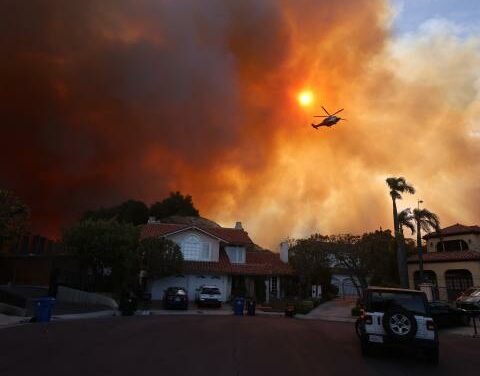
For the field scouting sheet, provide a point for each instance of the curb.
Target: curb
(326, 318)
(88, 315)
(188, 313)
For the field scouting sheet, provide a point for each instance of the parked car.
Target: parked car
(175, 297)
(445, 315)
(469, 299)
(398, 319)
(209, 296)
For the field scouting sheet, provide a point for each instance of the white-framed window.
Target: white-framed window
(273, 285)
(236, 255)
(195, 250)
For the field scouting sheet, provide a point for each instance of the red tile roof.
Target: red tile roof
(456, 229)
(446, 257)
(228, 235)
(258, 262)
(265, 263)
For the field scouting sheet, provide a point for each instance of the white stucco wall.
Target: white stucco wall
(191, 283)
(214, 243)
(473, 241)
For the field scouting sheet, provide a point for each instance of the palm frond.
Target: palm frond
(395, 195)
(392, 183)
(427, 220)
(400, 185)
(405, 219)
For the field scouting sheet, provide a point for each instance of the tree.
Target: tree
(14, 217)
(426, 221)
(160, 257)
(405, 219)
(310, 260)
(175, 204)
(398, 186)
(131, 211)
(377, 250)
(106, 247)
(367, 259)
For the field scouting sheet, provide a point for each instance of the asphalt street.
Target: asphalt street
(213, 345)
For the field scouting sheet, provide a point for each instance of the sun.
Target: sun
(305, 98)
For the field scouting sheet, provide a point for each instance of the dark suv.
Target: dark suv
(469, 300)
(397, 318)
(175, 297)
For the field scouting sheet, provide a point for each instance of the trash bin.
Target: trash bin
(43, 308)
(238, 306)
(251, 307)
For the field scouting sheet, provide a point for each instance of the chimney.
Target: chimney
(238, 226)
(152, 220)
(284, 247)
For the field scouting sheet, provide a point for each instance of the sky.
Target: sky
(107, 101)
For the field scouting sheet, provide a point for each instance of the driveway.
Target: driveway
(212, 345)
(339, 309)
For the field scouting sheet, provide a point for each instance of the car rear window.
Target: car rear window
(382, 301)
(176, 290)
(211, 291)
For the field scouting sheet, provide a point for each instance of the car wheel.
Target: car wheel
(400, 324)
(433, 356)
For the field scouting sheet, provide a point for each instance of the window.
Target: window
(236, 255)
(194, 249)
(457, 281)
(273, 285)
(380, 301)
(452, 245)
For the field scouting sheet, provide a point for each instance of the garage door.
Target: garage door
(159, 286)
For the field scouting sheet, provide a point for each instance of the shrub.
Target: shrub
(356, 311)
(304, 306)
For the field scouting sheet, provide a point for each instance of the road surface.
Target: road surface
(212, 345)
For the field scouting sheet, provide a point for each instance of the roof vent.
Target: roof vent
(238, 226)
(152, 220)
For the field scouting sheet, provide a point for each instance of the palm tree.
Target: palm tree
(405, 219)
(426, 221)
(398, 186)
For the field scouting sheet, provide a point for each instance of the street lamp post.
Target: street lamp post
(419, 242)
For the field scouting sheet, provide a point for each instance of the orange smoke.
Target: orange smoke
(123, 99)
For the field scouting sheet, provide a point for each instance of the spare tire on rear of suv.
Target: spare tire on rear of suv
(400, 324)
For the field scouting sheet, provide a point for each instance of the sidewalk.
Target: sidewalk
(6, 320)
(462, 331)
(338, 309)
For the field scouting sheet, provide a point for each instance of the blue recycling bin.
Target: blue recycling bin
(238, 306)
(43, 308)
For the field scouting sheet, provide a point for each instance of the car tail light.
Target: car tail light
(368, 319)
(430, 325)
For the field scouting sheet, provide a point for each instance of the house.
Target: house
(452, 261)
(220, 256)
(346, 284)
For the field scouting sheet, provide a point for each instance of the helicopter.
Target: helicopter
(330, 119)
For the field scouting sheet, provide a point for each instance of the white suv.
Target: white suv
(397, 317)
(209, 295)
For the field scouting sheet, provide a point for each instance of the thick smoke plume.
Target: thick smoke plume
(102, 101)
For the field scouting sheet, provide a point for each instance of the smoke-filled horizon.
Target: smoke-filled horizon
(107, 101)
